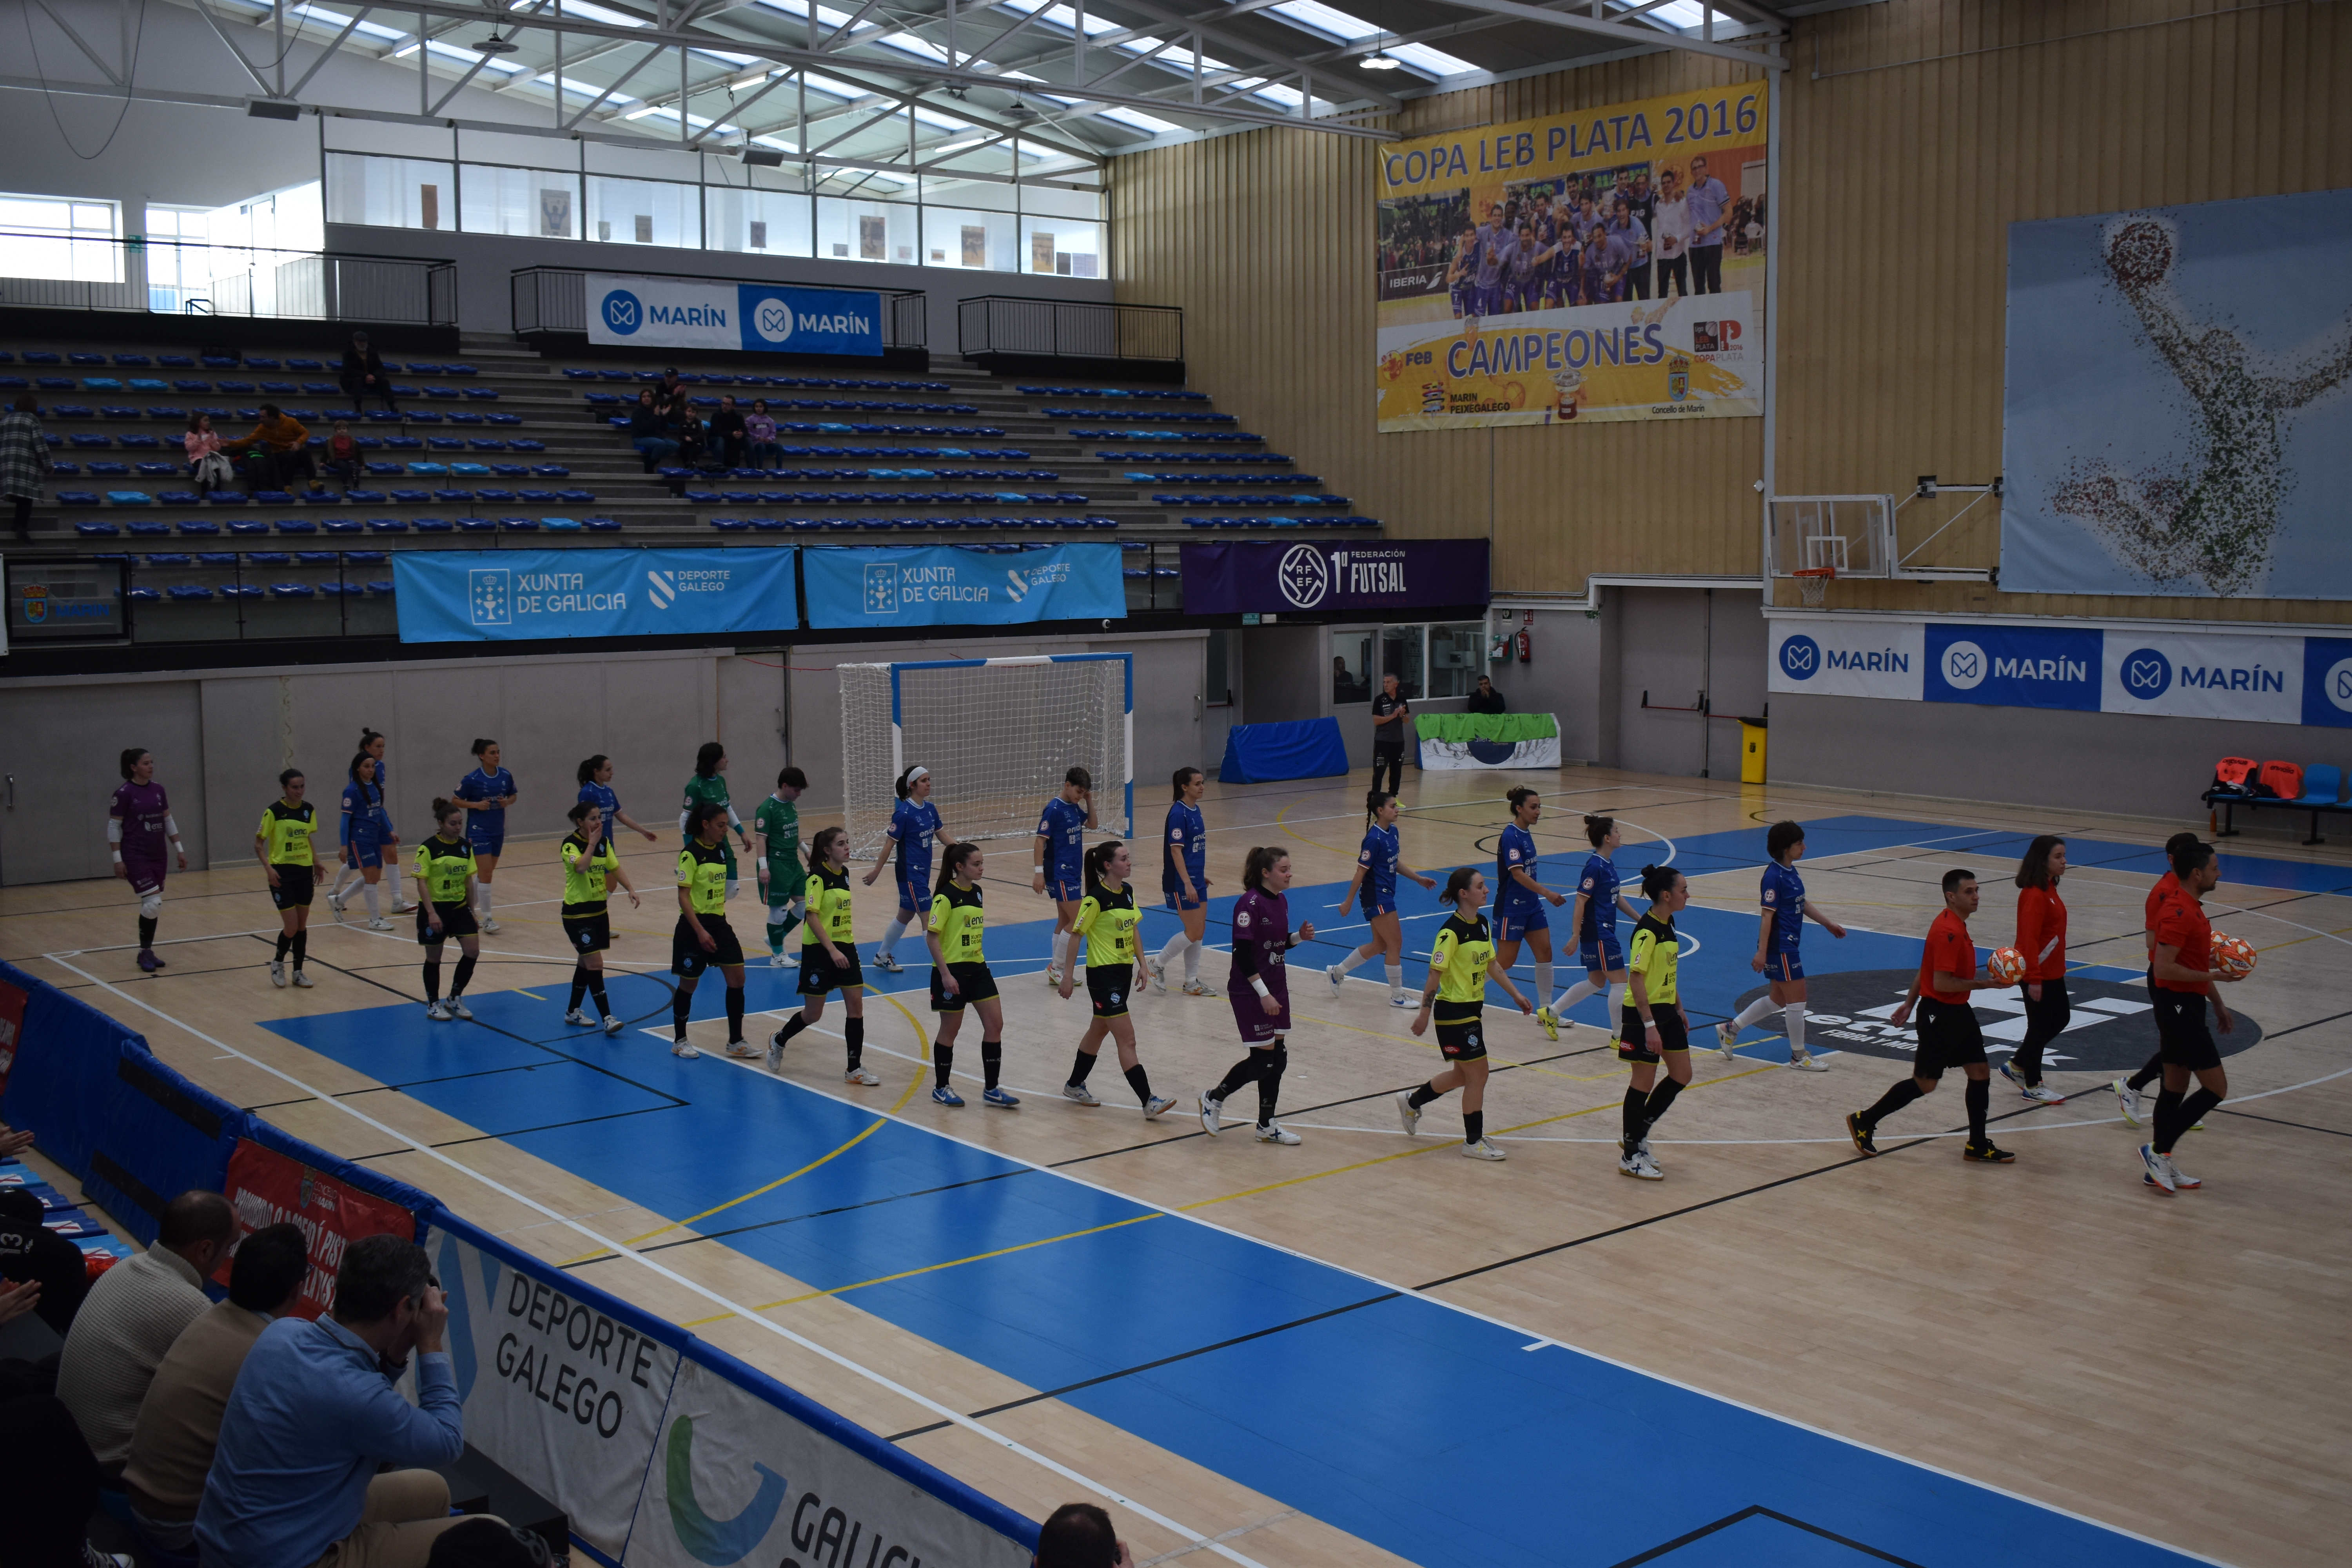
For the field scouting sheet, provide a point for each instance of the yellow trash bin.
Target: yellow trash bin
(1751, 752)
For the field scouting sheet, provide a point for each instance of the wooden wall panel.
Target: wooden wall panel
(1915, 132)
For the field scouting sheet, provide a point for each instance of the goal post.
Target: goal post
(997, 736)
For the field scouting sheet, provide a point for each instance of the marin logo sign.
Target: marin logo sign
(1845, 657)
(2218, 676)
(2013, 667)
(760, 318)
(563, 593)
(624, 313)
(2146, 674)
(1256, 579)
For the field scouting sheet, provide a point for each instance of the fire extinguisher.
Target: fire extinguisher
(1527, 646)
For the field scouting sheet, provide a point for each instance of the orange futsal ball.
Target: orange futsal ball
(2233, 955)
(2006, 965)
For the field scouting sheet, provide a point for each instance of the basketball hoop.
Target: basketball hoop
(1814, 582)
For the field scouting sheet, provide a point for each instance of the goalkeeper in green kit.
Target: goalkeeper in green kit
(784, 881)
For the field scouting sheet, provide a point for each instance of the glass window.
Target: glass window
(763, 222)
(1071, 247)
(1401, 655)
(1457, 654)
(990, 196)
(644, 212)
(54, 236)
(178, 265)
(1351, 665)
(544, 203)
(963, 236)
(390, 193)
(851, 230)
(1052, 201)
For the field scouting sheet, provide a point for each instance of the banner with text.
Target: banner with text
(1401, 574)
(954, 585)
(266, 1188)
(756, 318)
(1603, 265)
(2199, 673)
(534, 594)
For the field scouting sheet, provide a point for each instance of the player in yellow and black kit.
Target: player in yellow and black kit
(1460, 961)
(829, 958)
(703, 939)
(283, 843)
(590, 863)
(446, 877)
(1655, 1027)
(960, 977)
(1106, 921)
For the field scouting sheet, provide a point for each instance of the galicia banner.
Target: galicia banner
(509, 595)
(1286, 579)
(756, 318)
(958, 586)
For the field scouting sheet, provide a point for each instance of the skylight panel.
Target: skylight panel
(1436, 62)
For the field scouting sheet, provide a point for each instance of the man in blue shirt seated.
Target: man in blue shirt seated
(314, 1415)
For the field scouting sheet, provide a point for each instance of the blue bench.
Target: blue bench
(2322, 796)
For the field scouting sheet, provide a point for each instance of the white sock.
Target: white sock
(1756, 1012)
(343, 874)
(392, 874)
(1614, 998)
(1575, 993)
(890, 938)
(1061, 950)
(1543, 980)
(367, 891)
(1793, 1014)
(1347, 965)
(1192, 962)
(484, 890)
(1396, 978)
(1171, 950)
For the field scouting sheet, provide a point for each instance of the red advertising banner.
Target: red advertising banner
(12, 1027)
(267, 1188)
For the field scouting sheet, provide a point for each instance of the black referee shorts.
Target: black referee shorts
(1948, 1038)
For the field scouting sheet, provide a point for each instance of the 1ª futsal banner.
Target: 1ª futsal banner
(771, 318)
(1598, 266)
(1243, 576)
(955, 585)
(475, 596)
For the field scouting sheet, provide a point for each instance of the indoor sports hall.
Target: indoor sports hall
(953, 911)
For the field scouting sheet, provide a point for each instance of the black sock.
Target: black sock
(579, 987)
(792, 1026)
(2149, 1073)
(1905, 1091)
(1082, 1066)
(285, 941)
(1660, 1097)
(1242, 1073)
(1978, 1096)
(734, 1014)
(1269, 1081)
(942, 1063)
(2191, 1111)
(301, 947)
(1423, 1096)
(1637, 1111)
(2166, 1129)
(991, 1062)
(1474, 1126)
(1139, 1082)
(597, 989)
(465, 973)
(433, 979)
(146, 932)
(854, 1030)
(681, 1003)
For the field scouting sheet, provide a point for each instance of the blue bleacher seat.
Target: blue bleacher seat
(188, 591)
(2323, 785)
(560, 524)
(344, 525)
(129, 498)
(248, 526)
(151, 530)
(600, 525)
(510, 470)
(364, 498)
(92, 529)
(197, 529)
(506, 418)
(386, 525)
(433, 525)
(175, 362)
(500, 496)
(412, 498)
(244, 591)
(293, 590)
(81, 497)
(256, 362)
(478, 524)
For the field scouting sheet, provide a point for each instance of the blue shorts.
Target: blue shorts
(487, 841)
(913, 897)
(1606, 955)
(1511, 925)
(1065, 885)
(1175, 899)
(1380, 904)
(364, 852)
(1784, 963)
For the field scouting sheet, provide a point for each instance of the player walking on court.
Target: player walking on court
(1655, 1027)
(444, 875)
(1184, 881)
(914, 824)
(371, 744)
(590, 865)
(485, 793)
(1778, 937)
(1519, 907)
(282, 844)
(362, 832)
(2183, 976)
(707, 785)
(596, 777)
(1107, 921)
(1593, 918)
(960, 977)
(2129, 1091)
(703, 939)
(1057, 863)
(2042, 942)
(137, 825)
(784, 881)
(1377, 865)
(829, 957)
(1259, 990)
(1949, 1035)
(1461, 961)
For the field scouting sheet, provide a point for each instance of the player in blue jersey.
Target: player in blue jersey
(1184, 881)
(362, 832)
(1057, 863)
(595, 775)
(1519, 906)
(1594, 921)
(485, 793)
(1377, 865)
(914, 824)
(1777, 958)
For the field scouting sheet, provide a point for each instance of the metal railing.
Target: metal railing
(1002, 324)
(170, 277)
(555, 299)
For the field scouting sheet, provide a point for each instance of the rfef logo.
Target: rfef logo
(623, 312)
(1304, 576)
(2146, 674)
(1801, 658)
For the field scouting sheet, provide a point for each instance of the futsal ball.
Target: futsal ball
(2233, 955)
(2006, 965)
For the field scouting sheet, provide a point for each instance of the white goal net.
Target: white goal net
(998, 735)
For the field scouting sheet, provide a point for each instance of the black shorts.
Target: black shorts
(689, 958)
(1463, 1037)
(973, 983)
(2184, 1033)
(819, 975)
(457, 920)
(1632, 1044)
(1948, 1038)
(1109, 986)
(295, 886)
(589, 934)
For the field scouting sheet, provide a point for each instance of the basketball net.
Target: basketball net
(1814, 584)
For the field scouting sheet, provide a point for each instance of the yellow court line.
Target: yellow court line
(533, 994)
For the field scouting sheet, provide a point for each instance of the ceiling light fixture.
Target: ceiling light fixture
(494, 45)
(1379, 59)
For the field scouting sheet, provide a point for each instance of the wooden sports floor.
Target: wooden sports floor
(1365, 1348)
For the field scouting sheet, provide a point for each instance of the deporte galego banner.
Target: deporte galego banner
(527, 594)
(955, 585)
(2199, 672)
(760, 318)
(1398, 574)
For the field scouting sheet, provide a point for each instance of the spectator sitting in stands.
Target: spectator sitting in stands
(180, 1419)
(48, 1487)
(488, 1543)
(279, 450)
(24, 461)
(649, 432)
(32, 1253)
(682, 425)
(363, 374)
(314, 1413)
(1079, 1535)
(760, 429)
(343, 455)
(1487, 699)
(131, 1318)
(672, 390)
(727, 432)
(207, 465)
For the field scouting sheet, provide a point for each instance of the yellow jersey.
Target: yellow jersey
(957, 922)
(1458, 958)
(1108, 922)
(584, 874)
(702, 872)
(442, 866)
(828, 908)
(286, 831)
(1653, 955)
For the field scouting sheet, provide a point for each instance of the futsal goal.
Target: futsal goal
(997, 734)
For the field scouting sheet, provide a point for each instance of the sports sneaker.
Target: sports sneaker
(1194, 988)
(1727, 1036)
(335, 904)
(2127, 1099)
(1402, 999)
(458, 1009)
(861, 1074)
(576, 1019)
(774, 1054)
(741, 1050)
(1079, 1094)
(489, 926)
(148, 962)
(887, 965)
(613, 1026)
(1157, 1106)
(2180, 1178)
(1986, 1153)
(1629, 1164)
(378, 923)
(1549, 1022)
(1646, 1168)
(942, 1095)
(2007, 1068)
(404, 906)
(303, 981)
(1054, 977)
(791, 961)
(998, 1098)
(1805, 1061)
(1408, 1112)
(1210, 1106)
(1275, 1132)
(1865, 1140)
(2043, 1094)
(684, 1048)
(1157, 969)
(278, 973)
(1339, 981)
(778, 961)
(1484, 1149)
(2156, 1172)
(437, 1010)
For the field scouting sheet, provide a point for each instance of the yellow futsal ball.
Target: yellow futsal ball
(2006, 965)
(2233, 955)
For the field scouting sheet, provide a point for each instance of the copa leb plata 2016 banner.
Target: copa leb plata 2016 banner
(1581, 268)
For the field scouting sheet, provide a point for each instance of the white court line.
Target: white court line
(944, 1412)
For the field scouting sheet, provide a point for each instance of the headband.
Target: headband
(916, 772)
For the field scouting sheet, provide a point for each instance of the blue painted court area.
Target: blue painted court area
(1437, 1434)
